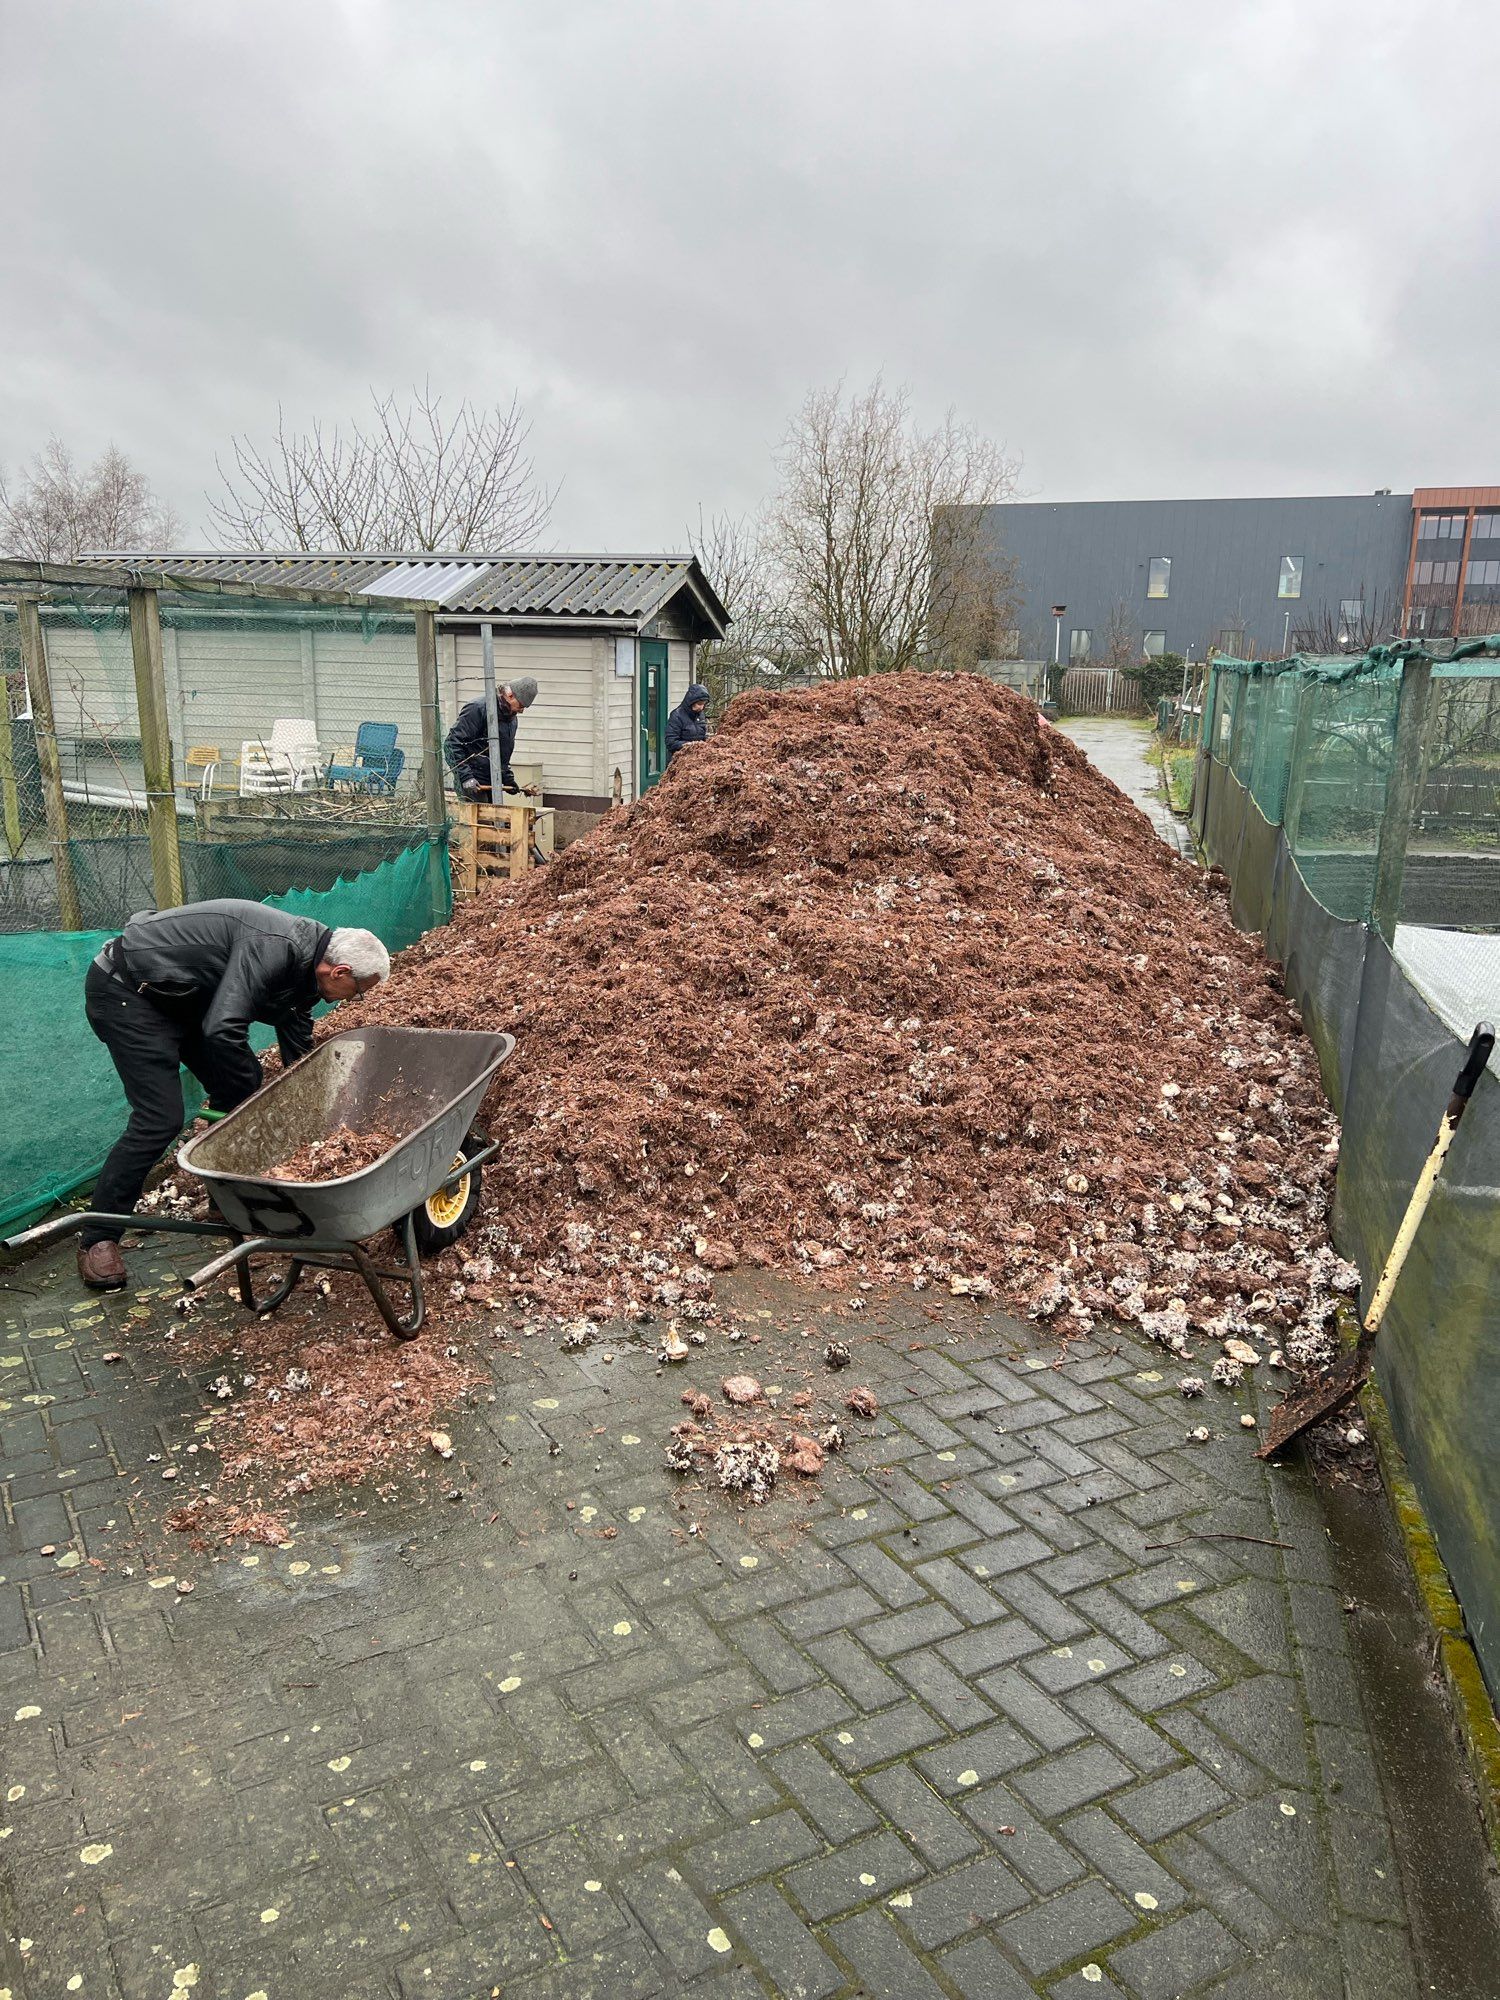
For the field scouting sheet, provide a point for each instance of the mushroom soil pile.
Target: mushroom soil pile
(886, 981)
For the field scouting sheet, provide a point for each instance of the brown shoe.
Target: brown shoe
(101, 1266)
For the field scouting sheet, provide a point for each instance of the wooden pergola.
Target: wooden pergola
(29, 585)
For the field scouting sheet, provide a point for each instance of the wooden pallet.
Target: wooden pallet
(492, 843)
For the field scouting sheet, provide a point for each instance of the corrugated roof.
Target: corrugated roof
(631, 588)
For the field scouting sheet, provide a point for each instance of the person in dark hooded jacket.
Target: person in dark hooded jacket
(688, 722)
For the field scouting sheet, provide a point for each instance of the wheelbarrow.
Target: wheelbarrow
(424, 1085)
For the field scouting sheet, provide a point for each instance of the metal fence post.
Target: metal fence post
(1403, 794)
(156, 745)
(491, 706)
(432, 756)
(1297, 759)
(34, 659)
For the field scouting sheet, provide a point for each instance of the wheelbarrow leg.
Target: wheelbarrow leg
(273, 1299)
(404, 1329)
(237, 1257)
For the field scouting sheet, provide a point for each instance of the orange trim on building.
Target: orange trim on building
(1453, 499)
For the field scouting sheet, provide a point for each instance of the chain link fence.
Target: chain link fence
(295, 751)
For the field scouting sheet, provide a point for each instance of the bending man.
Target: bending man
(467, 745)
(181, 987)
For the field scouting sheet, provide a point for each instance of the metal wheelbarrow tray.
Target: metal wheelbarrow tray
(424, 1085)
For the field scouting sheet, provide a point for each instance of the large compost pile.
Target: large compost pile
(887, 982)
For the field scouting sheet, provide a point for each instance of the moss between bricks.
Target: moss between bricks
(1476, 1713)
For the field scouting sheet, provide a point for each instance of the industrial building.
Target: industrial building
(1111, 580)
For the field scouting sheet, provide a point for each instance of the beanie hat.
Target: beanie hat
(524, 690)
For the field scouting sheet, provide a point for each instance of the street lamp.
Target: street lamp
(1054, 679)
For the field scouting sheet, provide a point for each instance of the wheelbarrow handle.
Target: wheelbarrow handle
(1481, 1048)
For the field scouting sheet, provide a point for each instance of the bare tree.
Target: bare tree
(1122, 648)
(60, 510)
(408, 478)
(764, 646)
(877, 535)
(1360, 623)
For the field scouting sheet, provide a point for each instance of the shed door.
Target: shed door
(654, 710)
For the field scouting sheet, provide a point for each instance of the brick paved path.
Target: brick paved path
(997, 1725)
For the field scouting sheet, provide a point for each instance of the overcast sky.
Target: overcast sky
(1160, 248)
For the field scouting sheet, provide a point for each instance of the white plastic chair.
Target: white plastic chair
(296, 738)
(289, 762)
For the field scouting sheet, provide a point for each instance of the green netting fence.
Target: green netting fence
(63, 1104)
(1355, 806)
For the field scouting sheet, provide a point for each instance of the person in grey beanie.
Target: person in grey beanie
(467, 745)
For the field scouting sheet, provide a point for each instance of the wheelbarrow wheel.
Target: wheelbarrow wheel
(444, 1216)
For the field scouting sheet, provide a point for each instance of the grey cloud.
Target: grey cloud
(1156, 248)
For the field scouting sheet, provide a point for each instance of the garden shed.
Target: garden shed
(611, 641)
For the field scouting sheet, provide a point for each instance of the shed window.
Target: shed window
(1154, 645)
(1080, 640)
(1158, 576)
(1291, 577)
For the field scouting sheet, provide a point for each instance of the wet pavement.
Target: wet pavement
(1030, 1694)
(1117, 745)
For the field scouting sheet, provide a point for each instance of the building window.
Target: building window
(1486, 525)
(1439, 573)
(1154, 645)
(1158, 576)
(1351, 610)
(1484, 572)
(1080, 640)
(1441, 527)
(1291, 577)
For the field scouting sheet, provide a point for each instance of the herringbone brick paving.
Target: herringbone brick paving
(997, 1724)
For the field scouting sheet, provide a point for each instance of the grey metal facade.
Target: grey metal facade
(1226, 557)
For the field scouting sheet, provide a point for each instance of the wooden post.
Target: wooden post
(34, 659)
(1403, 794)
(432, 758)
(10, 798)
(156, 745)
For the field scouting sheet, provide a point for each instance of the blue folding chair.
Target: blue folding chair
(377, 765)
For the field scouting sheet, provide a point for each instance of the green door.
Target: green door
(652, 676)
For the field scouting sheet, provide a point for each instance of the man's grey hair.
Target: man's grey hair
(363, 953)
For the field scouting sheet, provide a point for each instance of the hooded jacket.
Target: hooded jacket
(228, 963)
(467, 746)
(683, 727)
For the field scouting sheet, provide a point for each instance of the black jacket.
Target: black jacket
(683, 727)
(229, 963)
(467, 746)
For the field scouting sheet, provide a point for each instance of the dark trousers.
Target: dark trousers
(148, 1046)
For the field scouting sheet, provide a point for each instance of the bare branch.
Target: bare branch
(879, 538)
(58, 512)
(409, 478)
